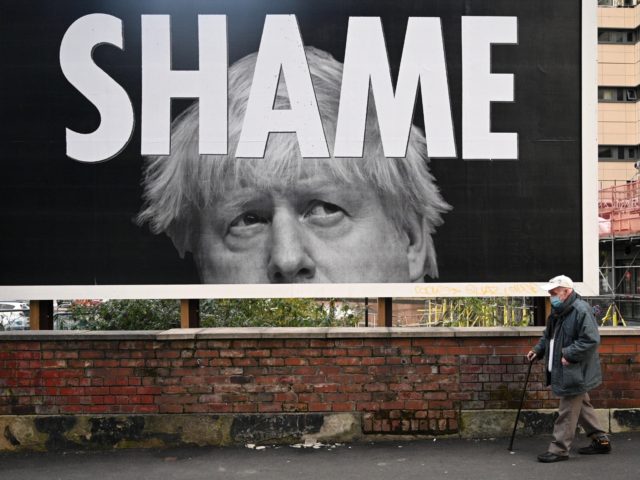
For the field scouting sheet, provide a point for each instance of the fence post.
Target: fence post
(542, 309)
(366, 311)
(385, 309)
(190, 313)
(41, 314)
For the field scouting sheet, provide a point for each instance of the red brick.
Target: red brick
(624, 349)
(359, 352)
(296, 361)
(168, 354)
(440, 404)
(343, 407)
(140, 409)
(72, 391)
(400, 387)
(245, 362)
(58, 373)
(122, 390)
(321, 361)
(271, 362)
(71, 409)
(325, 388)
(348, 361)
(65, 355)
(262, 353)
(26, 355)
(242, 344)
(415, 405)
(24, 345)
(132, 363)
(232, 353)
(245, 408)
(170, 408)
(54, 364)
(334, 352)
(270, 407)
(373, 361)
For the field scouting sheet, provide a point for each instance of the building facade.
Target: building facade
(619, 152)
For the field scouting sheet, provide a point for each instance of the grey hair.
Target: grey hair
(176, 186)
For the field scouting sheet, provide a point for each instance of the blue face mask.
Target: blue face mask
(556, 302)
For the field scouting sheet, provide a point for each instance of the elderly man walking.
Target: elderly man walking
(569, 346)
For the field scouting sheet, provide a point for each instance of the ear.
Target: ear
(421, 255)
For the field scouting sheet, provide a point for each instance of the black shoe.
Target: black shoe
(549, 457)
(598, 445)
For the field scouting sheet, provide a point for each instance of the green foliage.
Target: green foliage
(276, 312)
(165, 314)
(128, 315)
(294, 312)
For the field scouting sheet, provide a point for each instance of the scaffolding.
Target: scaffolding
(619, 221)
(470, 312)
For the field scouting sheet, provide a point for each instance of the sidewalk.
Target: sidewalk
(453, 459)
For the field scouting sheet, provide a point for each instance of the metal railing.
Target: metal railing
(619, 209)
(464, 312)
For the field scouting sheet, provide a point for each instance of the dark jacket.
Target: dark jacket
(576, 335)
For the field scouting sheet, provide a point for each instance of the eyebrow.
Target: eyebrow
(304, 185)
(238, 197)
(235, 199)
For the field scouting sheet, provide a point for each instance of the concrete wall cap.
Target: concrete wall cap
(294, 332)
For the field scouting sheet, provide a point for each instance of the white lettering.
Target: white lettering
(281, 50)
(160, 84)
(111, 100)
(480, 87)
(281, 57)
(366, 62)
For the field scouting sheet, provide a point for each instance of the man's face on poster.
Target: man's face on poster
(312, 230)
(282, 218)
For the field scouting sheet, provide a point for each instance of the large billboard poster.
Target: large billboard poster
(251, 148)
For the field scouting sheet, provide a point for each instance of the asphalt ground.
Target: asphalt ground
(397, 460)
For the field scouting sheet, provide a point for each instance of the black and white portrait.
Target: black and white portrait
(288, 219)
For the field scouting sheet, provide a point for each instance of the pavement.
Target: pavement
(451, 459)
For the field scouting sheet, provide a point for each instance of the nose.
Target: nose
(289, 261)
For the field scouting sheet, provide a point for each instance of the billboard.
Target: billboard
(244, 148)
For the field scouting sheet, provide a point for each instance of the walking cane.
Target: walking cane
(524, 391)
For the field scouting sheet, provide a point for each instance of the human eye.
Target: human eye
(323, 213)
(247, 223)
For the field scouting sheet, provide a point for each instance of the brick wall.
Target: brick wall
(401, 380)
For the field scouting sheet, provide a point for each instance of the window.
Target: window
(606, 35)
(617, 94)
(618, 152)
(605, 153)
(617, 3)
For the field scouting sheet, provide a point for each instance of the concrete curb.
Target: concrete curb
(86, 432)
(499, 423)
